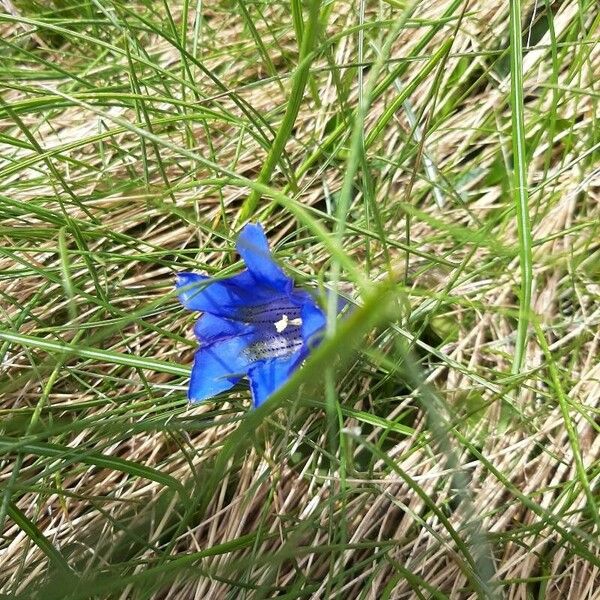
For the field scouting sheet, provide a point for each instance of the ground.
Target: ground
(434, 163)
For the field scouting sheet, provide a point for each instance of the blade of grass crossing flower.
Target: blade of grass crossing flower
(520, 193)
(379, 307)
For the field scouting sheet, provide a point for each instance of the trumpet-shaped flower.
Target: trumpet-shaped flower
(255, 323)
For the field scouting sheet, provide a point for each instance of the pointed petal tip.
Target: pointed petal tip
(252, 237)
(195, 401)
(187, 277)
(252, 226)
(253, 247)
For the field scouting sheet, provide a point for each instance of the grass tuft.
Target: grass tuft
(434, 163)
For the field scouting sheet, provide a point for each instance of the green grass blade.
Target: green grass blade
(108, 356)
(38, 538)
(299, 81)
(520, 184)
(97, 459)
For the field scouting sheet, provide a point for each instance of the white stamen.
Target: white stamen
(282, 324)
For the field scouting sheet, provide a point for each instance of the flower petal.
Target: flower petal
(223, 298)
(313, 322)
(209, 328)
(267, 376)
(218, 367)
(254, 249)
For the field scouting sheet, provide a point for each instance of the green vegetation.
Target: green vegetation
(435, 163)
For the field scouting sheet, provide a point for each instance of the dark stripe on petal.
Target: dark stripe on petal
(270, 312)
(274, 346)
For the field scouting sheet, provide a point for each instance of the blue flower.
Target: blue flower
(255, 323)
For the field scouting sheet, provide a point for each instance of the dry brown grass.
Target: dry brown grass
(132, 214)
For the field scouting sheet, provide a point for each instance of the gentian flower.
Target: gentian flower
(255, 323)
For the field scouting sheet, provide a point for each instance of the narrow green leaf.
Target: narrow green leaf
(520, 194)
(87, 457)
(293, 104)
(109, 356)
(38, 538)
